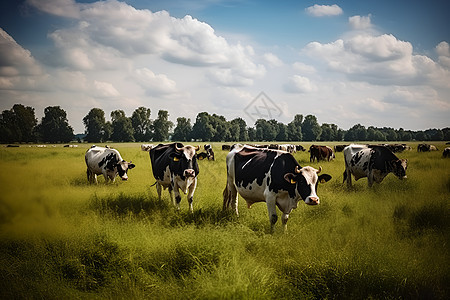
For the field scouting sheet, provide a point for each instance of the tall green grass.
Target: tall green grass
(63, 238)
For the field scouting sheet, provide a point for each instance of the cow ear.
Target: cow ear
(199, 157)
(324, 178)
(289, 177)
(131, 166)
(174, 156)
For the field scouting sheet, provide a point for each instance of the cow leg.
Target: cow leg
(158, 190)
(190, 194)
(284, 220)
(370, 178)
(177, 201)
(272, 210)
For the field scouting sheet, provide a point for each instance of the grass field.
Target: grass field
(62, 238)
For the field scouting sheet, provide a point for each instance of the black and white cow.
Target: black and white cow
(271, 176)
(175, 167)
(373, 162)
(106, 161)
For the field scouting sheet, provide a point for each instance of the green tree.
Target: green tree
(374, 134)
(162, 126)
(294, 128)
(142, 125)
(122, 128)
(243, 131)
(94, 122)
(54, 126)
(265, 130)
(203, 129)
(17, 124)
(183, 130)
(311, 129)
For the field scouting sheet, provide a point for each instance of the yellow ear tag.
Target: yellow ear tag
(293, 182)
(200, 158)
(322, 181)
(175, 158)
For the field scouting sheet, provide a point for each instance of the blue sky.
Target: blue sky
(381, 63)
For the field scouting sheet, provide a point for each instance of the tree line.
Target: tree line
(19, 125)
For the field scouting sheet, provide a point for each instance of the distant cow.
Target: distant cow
(175, 167)
(202, 155)
(226, 147)
(426, 148)
(147, 147)
(271, 176)
(339, 148)
(106, 161)
(374, 162)
(320, 153)
(446, 152)
(299, 148)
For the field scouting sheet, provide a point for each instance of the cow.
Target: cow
(374, 162)
(226, 147)
(147, 147)
(106, 161)
(175, 167)
(202, 155)
(270, 176)
(210, 154)
(320, 153)
(339, 148)
(300, 148)
(446, 152)
(426, 148)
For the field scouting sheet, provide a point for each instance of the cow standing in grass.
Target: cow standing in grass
(271, 176)
(106, 161)
(175, 167)
(373, 162)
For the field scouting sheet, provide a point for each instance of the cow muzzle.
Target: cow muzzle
(312, 200)
(189, 173)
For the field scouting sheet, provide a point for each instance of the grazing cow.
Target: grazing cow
(210, 154)
(339, 148)
(299, 148)
(202, 155)
(426, 148)
(147, 147)
(446, 152)
(320, 153)
(226, 147)
(106, 161)
(374, 162)
(175, 167)
(271, 176)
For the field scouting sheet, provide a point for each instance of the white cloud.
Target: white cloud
(324, 10)
(105, 89)
(62, 8)
(272, 60)
(360, 23)
(379, 59)
(299, 84)
(155, 84)
(304, 68)
(443, 50)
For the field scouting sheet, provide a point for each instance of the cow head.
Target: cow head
(306, 180)
(184, 160)
(399, 168)
(123, 167)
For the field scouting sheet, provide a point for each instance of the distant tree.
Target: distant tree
(17, 124)
(374, 134)
(183, 130)
(265, 130)
(251, 134)
(446, 132)
(107, 132)
(243, 131)
(390, 134)
(94, 122)
(435, 134)
(282, 133)
(234, 132)
(311, 129)
(142, 125)
(162, 125)
(357, 133)
(329, 132)
(54, 126)
(294, 129)
(122, 128)
(203, 129)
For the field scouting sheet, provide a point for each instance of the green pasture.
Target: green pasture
(61, 238)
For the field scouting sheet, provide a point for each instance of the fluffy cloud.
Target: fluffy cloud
(443, 50)
(379, 59)
(299, 84)
(360, 23)
(110, 30)
(155, 84)
(62, 8)
(272, 60)
(324, 10)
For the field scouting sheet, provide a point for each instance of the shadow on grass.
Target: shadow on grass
(143, 206)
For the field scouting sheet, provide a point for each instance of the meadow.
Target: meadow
(61, 238)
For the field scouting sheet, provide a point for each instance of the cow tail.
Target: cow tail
(153, 184)
(345, 176)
